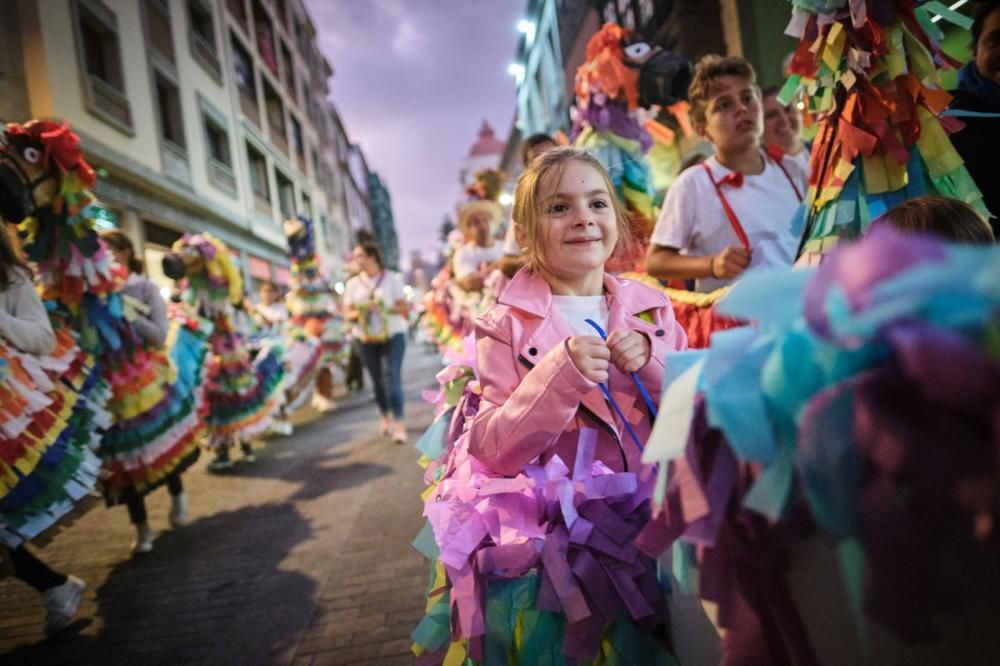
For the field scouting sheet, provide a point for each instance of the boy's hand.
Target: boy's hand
(730, 262)
(590, 356)
(630, 350)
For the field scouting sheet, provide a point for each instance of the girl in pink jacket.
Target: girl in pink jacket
(536, 506)
(540, 360)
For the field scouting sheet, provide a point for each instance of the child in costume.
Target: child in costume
(151, 325)
(529, 570)
(25, 325)
(735, 210)
(243, 395)
(313, 312)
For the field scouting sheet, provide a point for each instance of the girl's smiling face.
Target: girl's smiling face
(579, 230)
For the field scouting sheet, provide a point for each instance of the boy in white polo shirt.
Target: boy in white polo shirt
(734, 211)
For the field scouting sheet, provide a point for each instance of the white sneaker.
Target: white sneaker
(283, 428)
(178, 510)
(144, 538)
(61, 603)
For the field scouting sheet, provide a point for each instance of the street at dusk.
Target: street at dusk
(499, 333)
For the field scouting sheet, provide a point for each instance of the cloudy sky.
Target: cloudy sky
(413, 81)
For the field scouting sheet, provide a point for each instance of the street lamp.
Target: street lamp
(527, 28)
(516, 70)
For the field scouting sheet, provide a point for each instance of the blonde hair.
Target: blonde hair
(545, 172)
(707, 72)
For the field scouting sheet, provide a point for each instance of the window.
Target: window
(275, 117)
(158, 29)
(238, 11)
(315, 165)
(264, 36)
(286, 195)
(280, 11)
(306, 206)
(218, 158)
(288, 65)
(217, 142)
(100, 55)
(243, 69)
(298, 147)
(201, 37)
(258, 180)
(168, 103)
(245, 81)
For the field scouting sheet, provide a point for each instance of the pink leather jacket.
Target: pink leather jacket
(535, 401)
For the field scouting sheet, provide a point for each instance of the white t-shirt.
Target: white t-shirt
(576, 310)
(470, 257)
(693, 220)
(510, 246)
(386, 287)
(802, 158)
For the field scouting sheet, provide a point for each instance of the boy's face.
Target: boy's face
(781, 123)
(987, 49)
(733, 117)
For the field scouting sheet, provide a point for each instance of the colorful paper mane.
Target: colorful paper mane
(155, 411)
(243, 394)
(870, 73)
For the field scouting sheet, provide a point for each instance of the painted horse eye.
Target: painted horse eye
(31, 155)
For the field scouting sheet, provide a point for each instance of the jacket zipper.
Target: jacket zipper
(586, 410)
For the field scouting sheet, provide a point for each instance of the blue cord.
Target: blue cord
(614, 405)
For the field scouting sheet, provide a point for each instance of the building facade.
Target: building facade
(205, 115)
(383, 222)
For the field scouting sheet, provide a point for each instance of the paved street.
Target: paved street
(302, 557)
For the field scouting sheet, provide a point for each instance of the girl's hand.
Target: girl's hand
(590, 356)
(630, 350)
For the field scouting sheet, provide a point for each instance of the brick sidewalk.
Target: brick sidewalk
(303, 557)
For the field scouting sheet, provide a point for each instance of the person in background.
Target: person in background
(532, 147)
(947, 218)
(270, 313)
(735, 209)
(977, 104)
(783, 128)
(152, 329)
(375, 300)
(25, 325)
(481, 252)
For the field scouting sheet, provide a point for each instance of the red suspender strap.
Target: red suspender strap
(779, 158)
(734, 221)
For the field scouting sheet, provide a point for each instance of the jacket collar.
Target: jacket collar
(529, 292)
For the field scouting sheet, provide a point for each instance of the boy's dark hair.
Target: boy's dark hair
(768, 91)
(528, 145)
(707, 71)
(372, 250)
(947, 218)
(979, 18)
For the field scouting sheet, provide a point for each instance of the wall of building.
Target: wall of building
(156, 188)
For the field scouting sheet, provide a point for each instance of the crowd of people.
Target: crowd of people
(106, 386)
(589, 470)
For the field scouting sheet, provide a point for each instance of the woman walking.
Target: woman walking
(375, 301)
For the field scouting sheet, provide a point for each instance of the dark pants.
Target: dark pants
(355, 378)
(33, 571)
(384, 362)
(137, 503)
